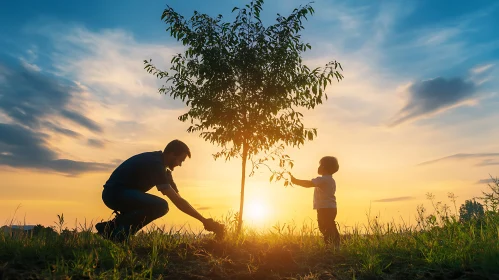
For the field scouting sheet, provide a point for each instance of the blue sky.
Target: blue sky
(420, 85)
(411, 29)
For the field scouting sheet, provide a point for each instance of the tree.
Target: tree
(471, 210)
(243, 82)
(491, 199)
(40, 230)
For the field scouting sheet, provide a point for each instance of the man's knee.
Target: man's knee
(162, 208)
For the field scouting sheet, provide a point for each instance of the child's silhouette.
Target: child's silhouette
(324, 198)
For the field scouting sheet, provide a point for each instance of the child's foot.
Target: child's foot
(334, 247)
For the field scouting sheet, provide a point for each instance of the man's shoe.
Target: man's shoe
(120, 234)
(105, 229)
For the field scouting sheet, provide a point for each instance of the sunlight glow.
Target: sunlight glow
(257, 211)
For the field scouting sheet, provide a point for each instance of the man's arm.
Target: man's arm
(303, 183)
(180, 203)
(169, 180)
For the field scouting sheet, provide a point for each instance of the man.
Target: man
(125, 192)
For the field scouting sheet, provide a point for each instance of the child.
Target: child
(324, 198)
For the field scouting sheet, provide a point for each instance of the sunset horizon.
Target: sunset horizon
(415, 114)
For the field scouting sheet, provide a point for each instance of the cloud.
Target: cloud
(24, 143)
(435, 50)
(51, 126)
(35, 105)
(204, 208)
(461, 157)
(432, 96)
(485, 181)
(107, 68)
(32, 99)
(81, 120)
(96, 143)
(76, 167)
(81, 70)
(488, 162)
(110, 63)
(395, 199)
(448, 45)
(30, 66)
(482, 68)
(21, 147)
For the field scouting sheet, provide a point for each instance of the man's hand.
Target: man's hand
(217, 228)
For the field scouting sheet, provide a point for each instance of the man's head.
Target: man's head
(175, 153)
(328, 166)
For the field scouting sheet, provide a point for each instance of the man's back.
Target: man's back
(140, 172)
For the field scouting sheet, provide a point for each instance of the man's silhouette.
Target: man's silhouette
(125, 192)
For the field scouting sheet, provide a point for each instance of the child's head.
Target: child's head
(328, 166)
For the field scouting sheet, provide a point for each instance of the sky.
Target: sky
(416, 112)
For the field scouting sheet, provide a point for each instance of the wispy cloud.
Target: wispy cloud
(482, 68)
(108, 66)
(395, 199)
(379, 61)
(485, 181)
(484, 73)
(92, 86)
(32, 99)
(432, 96)
(36, 105)
(439, 36)
(24, 148)
(59, 129)
(109, 62)
(461, 157)
(432, 49)
(81, 120)
(488, 162)
(96, 143)
(30, 66)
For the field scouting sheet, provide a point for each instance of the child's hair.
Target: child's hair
(330, 164)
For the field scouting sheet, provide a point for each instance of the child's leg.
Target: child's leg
(335, 234)
(327, 225)
(324, 221)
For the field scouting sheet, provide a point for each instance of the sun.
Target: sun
(257, 211)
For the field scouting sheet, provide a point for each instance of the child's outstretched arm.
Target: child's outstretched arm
(303, 183)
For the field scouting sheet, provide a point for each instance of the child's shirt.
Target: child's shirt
(325, 188)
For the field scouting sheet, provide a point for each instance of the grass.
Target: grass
(438, 247)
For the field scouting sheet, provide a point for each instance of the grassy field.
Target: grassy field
(439, 247)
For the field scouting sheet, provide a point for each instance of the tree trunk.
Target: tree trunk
(243, 180)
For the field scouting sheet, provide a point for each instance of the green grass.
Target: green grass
(439, 247)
